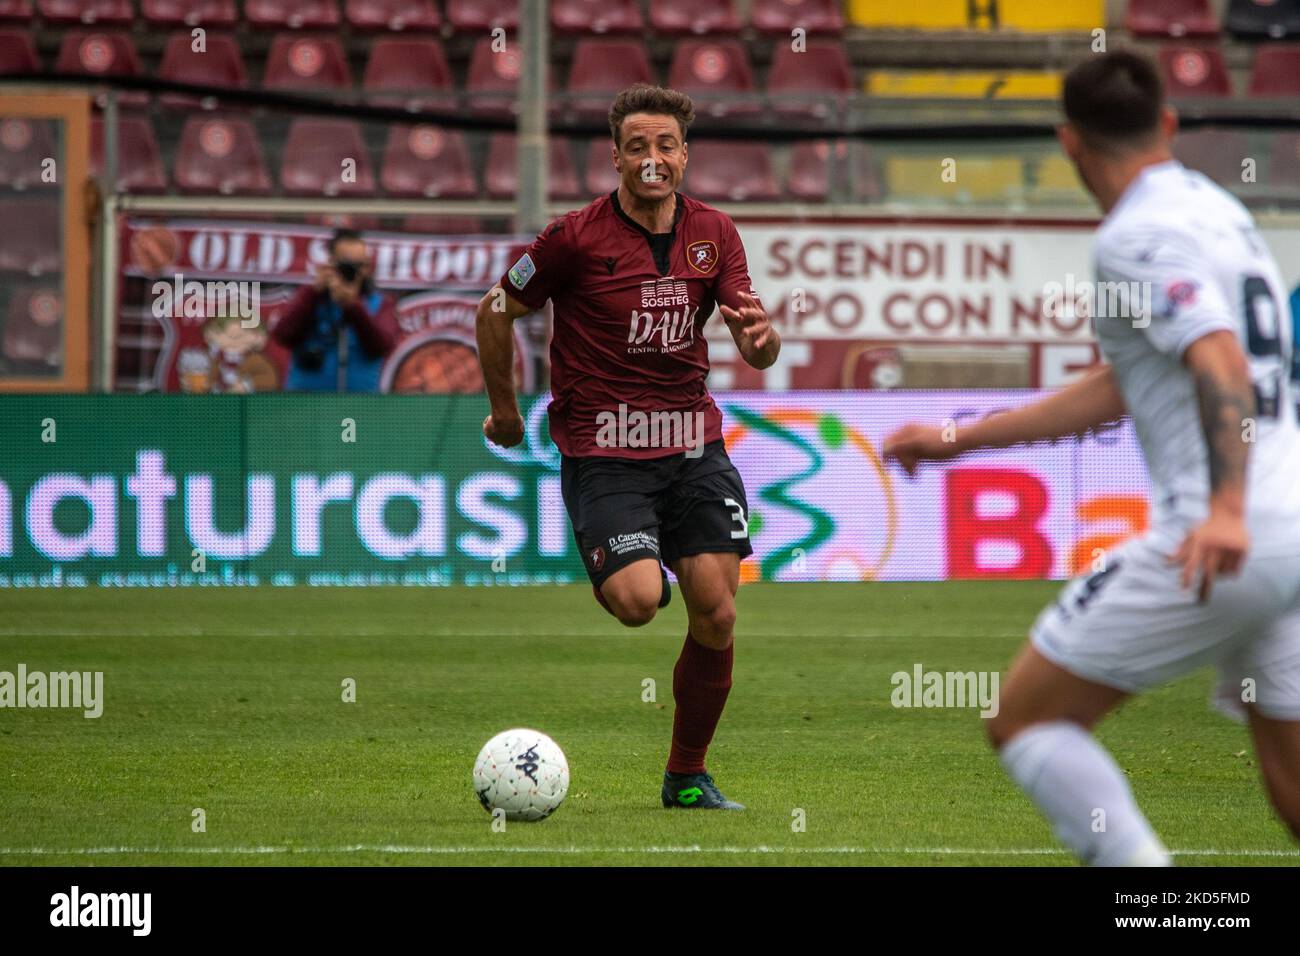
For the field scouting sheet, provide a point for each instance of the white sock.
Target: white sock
(1082, 792)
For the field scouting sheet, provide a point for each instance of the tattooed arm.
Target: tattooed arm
(1226, 397)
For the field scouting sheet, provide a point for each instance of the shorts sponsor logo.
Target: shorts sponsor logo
(627, 428)
(621, 544)
(702, 256)
(522, 271)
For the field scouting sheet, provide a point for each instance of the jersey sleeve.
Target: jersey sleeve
(733, 276)
(1168, 273)
(544, 267)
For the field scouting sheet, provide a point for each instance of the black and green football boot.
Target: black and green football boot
(695, 791)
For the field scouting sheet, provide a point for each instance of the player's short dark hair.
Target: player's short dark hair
(644, 98)
(343, 235)
(1114, 100)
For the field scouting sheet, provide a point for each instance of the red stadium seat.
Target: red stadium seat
(1284, 166)
(782, 16)
(478, 16)
(1215, 152)
(219, 65)
(443, 225)
(492, 79)
(599, 177)
(97, 54)
(190, 13)
(25, 144)
(17, 53)
(414, 68)
(16, 10)
(315, 154)
(139, 166)
(393, 14)
(1255, 19)
(713, 72)
(816, 174)
(427, 162)
(819, 80)
(1276, 71)
(294, 14)
(1171, 18)
(33, 325)
(600, 69)
(90, 12)
(220, 154)
(682, 17)
(306, 64)
(29, 241)
(596, 16)
(502, 180)
(1194, 71)
(740, 172)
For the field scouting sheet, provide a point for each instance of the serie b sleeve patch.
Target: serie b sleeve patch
(522, 271)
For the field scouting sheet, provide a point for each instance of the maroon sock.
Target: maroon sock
(701, 682)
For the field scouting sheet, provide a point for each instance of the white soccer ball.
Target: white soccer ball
(522, 772)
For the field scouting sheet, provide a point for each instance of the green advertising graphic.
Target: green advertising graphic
(169, 490)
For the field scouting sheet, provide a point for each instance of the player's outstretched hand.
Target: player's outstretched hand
(1216, 546)
(749, 323)
(913, 444)
(504, 430)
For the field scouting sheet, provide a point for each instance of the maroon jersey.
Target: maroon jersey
(629, 311)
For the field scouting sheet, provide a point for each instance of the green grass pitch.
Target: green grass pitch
(231, 701)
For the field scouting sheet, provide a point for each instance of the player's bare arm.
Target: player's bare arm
(493, 328)
(758, 341)
(1088, 403)
(1226, 399)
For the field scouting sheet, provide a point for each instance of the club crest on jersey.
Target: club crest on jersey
(597, 557)
(522, 271)
(702, 256)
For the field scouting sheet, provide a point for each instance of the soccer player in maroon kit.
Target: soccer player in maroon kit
(632, 278)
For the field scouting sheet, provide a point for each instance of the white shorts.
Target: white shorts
(1132, 626)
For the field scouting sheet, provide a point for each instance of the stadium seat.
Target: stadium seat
(97, 54)
(20, 10)
(393, 14)
(314, 158)
(113, 13)
(916, 15)
(986, 179)
(1034, 16)
(1254, 19)
(427, 162)
(492, 79)
(1218, 153)
(596, 16)
(1276, 71)
(1057, 183)
(502, 180)
(221, 155)
(409, 72)
(220, 65)
(29, 241)
(294, 14)
(17, 53)
(1171, 18)
(24, 146)
(782, 16)
(735, 171)
(810, 175)
(600, 69)
(190, 13)
(1194, 71)
(33, 328)
(1284, 164)
(713, 72)
(139, 165)
(683, 17)
(478, 16)
(818, 80)
(443, 225)
(306, 64)
(599, 177)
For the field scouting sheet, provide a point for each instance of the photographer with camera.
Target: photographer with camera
(340, 329)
